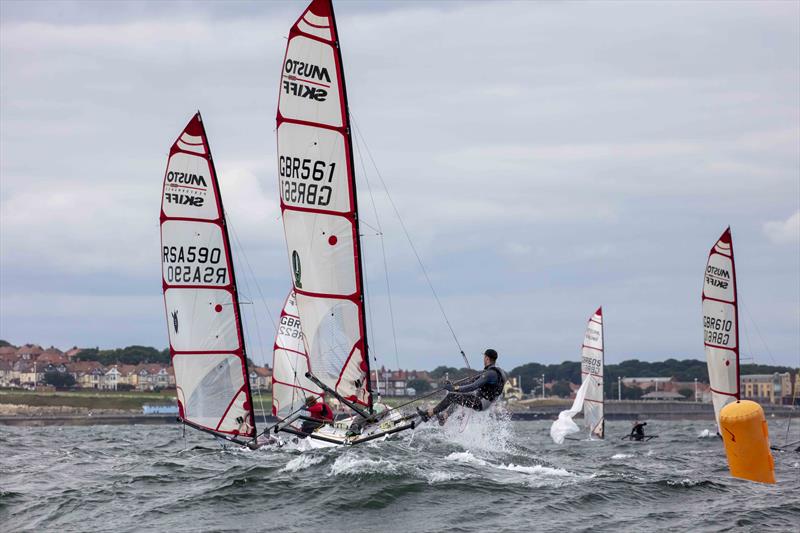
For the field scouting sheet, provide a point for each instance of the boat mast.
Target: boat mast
(351, 163)
(234, 289)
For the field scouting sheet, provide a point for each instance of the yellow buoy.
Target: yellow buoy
(746, 437)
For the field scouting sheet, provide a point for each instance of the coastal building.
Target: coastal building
(644, 383)
(6, 371)
(399, 382)
(8, 353)
(664, 396)
(767, 388)
(261, 378)
(29, 352)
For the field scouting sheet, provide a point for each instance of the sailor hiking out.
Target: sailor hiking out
(319, 413)
(478, 394)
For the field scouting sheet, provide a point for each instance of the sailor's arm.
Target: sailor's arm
(482, 380)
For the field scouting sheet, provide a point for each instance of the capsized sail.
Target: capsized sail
(200, 298)
(564, 425)
(318, 204)
(592, 373)
(290, 387)
(589, 397)
(720, 323)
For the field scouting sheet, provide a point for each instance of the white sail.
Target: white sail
(720, 323)
(592, 373)
(564, 425)
(318, 204)
(290, 387)
(202, 310)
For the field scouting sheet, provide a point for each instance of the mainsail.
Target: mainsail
(720, 323)
(290, 387)
(318, 204)
(202, 307)
(590, 395)
(592, 372)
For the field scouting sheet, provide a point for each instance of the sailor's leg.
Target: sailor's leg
(466, 400)
(444, 404)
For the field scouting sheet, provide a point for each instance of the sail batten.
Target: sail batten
(319, 204)
(200, 297)
(721, 323)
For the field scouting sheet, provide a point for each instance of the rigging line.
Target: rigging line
(410, 242)
(371, 320)
(383, 251)
(758, 331)
(261, 348)
(240, 253)
(252, 273)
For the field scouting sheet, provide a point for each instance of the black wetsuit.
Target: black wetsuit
(637, 433)
(479, 393)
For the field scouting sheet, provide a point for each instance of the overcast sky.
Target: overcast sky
(546, 157)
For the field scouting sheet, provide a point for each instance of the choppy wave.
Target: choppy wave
(477, 472)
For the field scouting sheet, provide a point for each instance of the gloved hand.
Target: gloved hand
(448, 386)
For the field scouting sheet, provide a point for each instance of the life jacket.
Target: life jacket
(492, 391)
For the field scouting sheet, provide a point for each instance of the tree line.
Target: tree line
(563, 374)
(130, 355)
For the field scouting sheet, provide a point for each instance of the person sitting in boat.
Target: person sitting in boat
(478, 394)
(318, 410)
(637, 433)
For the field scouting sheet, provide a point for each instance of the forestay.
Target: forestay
(720, 323)
(318, 204)
(592, 372)
(290, 387)
(200, 298)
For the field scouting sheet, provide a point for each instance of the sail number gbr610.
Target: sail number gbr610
(306, 181)
(717, 330)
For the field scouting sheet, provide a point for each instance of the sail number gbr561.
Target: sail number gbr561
(306, 181)
(717, 330)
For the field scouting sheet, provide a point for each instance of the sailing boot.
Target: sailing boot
(423, 415)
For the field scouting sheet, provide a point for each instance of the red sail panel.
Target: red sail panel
(200, 299)
(721, 323)
(318, 204)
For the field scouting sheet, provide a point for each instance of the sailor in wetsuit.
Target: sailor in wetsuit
(478, 394)
(637, 433)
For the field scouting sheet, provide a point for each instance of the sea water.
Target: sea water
(474, 474)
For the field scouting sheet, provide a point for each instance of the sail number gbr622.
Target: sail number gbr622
(717, 330)
(306, 181)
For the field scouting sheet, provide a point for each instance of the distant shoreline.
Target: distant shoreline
(626, 410)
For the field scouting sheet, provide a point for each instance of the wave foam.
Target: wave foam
(302, 462)
(350, 465)
(622, 456)
(465, 457)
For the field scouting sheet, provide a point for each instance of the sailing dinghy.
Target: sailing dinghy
(720, 324)
(200, 297)
(589, 397)
(320, 218)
